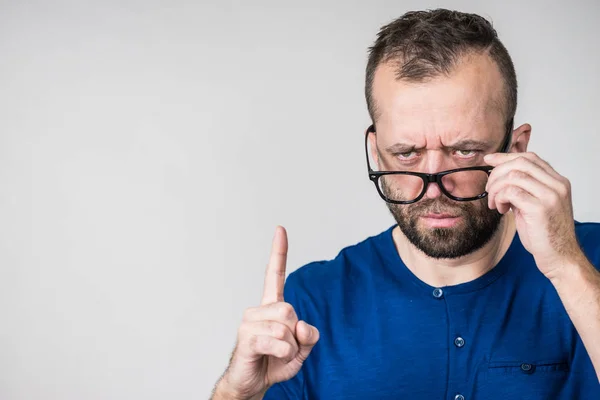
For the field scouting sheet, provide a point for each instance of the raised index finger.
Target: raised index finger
(275, 274)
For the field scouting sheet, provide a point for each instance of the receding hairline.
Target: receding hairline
(499, 100)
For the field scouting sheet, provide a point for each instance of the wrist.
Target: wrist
(225, 391)
(579, 289)
(569, 270)
(575, 281)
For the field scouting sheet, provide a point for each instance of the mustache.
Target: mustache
(441, 205)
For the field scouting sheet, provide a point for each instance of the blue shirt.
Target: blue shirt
(385, 334)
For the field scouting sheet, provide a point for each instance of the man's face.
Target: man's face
(441, 124)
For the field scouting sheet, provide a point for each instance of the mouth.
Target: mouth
(440, 220)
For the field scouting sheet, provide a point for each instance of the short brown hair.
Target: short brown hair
(426, 44)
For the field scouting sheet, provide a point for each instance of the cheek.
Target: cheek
(399, 211)
(479, 208)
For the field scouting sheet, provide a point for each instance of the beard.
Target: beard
(476, 227)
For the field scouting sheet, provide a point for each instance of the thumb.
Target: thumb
(307, 336)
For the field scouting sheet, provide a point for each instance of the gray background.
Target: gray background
(149, 148)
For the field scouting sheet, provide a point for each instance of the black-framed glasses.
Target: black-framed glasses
(407, 187)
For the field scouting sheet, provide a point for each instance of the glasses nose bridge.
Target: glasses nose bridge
(432, 178)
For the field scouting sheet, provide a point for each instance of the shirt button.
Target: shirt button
(438, 293)
(459, 397)
(459, 342)
(527, 368)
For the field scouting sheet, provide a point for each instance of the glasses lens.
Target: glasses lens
(465, 184)
(400, 187)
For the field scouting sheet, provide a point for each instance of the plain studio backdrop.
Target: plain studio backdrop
(148, 149)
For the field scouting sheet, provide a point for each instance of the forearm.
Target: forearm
(578, 285)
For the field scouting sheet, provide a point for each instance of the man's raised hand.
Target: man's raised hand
(272, 343)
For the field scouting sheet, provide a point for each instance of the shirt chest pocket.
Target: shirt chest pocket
(523, 379)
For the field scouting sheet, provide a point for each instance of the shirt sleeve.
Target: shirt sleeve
(292, 389)
(282, 391)
(588, 235)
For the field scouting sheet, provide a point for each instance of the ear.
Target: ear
(373, 149)
(520, 139)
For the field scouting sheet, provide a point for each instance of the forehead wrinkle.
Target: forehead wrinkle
(438, 125)
(436, 141)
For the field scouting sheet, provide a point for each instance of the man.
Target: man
(486, 287)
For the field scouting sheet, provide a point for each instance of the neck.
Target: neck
(449, 272)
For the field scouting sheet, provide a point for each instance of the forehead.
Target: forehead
(466, 104)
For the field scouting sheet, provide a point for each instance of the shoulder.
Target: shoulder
(587, 230)
(349, 263)
(588, 235)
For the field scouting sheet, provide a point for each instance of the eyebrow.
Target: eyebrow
(471, 144)
(398, 148)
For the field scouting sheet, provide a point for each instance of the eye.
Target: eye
(466, 153)
(407, 155)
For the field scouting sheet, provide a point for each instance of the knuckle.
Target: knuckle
(553, 199)
(248, 335)
(247, 332)
(514, 191)
(262, 344)
(286, 311)
(248, 312)
(286, 351)
(563, 191)
(278, 331)
(502, 194)
(242, 330)
(566, 185)
(251, 343)
(522, 159)
(515, 174)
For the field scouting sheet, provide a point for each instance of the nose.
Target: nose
(435, 164)
(433, 191)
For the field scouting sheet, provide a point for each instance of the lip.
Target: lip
(440, 220)
(439, 216)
